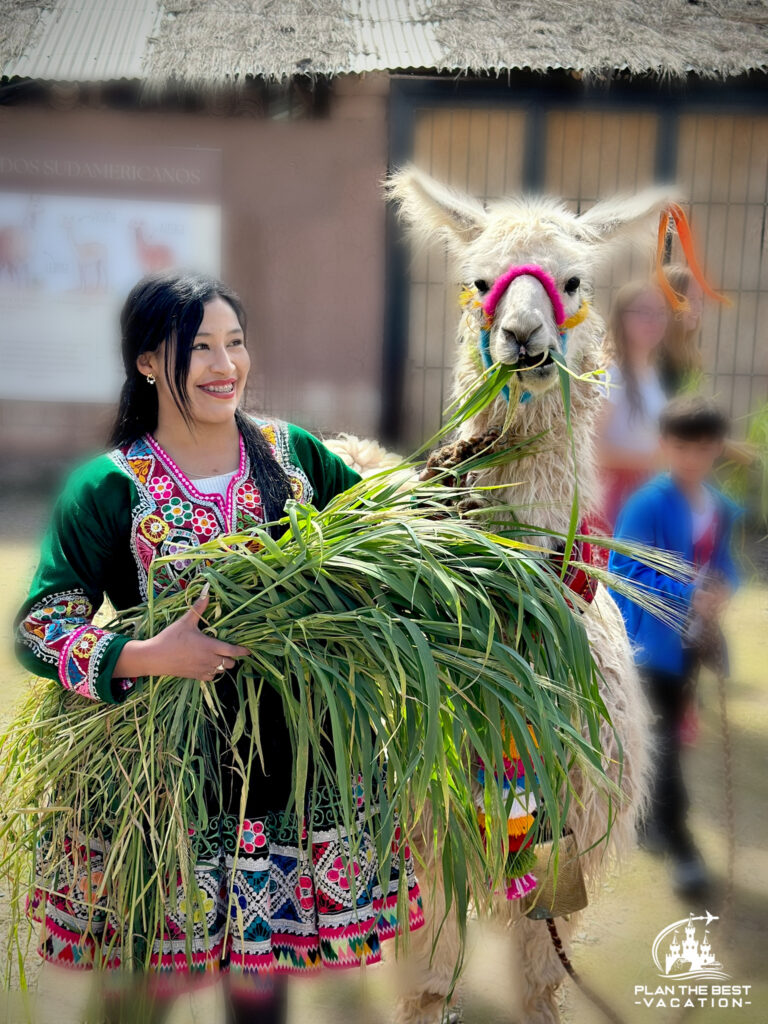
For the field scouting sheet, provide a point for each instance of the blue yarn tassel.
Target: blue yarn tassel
(485, 353)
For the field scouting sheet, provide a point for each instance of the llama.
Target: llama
(15, 247)
(91, 260)
(153, 256)
(541, 237)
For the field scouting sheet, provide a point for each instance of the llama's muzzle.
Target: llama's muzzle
(503, 282)
(538, 365)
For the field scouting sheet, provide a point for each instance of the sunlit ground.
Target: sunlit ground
(612, 948)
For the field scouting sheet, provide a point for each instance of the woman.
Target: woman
(627, 436)
(679, 358)
(186, 465)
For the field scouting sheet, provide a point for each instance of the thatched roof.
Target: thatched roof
(217, 40)
(19, 23)
(210, 39)
(665, 37)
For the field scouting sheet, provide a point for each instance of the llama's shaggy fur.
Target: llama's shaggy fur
(484, 243)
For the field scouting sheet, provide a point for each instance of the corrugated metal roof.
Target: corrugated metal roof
(87, 40)
(215, 40)
(394, 34)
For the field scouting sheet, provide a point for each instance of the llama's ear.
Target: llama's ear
(432, 210)
(629, 215)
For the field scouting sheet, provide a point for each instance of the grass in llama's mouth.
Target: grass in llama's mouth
(539, 361)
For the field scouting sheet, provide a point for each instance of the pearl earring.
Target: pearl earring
(150, 378)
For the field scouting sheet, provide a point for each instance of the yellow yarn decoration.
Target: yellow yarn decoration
(466, 296)
(515, 826)
(512, 750)
(578, 317)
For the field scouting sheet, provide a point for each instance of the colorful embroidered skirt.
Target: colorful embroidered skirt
(266, 907)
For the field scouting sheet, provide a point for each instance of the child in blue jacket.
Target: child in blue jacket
(682, 513)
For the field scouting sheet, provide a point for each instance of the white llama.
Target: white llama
(485, 242)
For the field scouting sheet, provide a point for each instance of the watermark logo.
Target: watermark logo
(692, 975)
(680, 953)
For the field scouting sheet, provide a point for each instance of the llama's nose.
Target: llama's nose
(518, 335)
(520, 339)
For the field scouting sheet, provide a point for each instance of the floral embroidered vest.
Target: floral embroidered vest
(172, 515)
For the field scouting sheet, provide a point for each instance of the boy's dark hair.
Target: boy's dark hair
(693, 418)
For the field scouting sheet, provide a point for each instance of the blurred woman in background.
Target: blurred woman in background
(627, 442)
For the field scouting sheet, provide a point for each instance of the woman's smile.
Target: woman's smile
(220, 388)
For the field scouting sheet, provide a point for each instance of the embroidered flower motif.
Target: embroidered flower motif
(161, 488)
(249, 496)
(199, 909)
(297, 486)
(89, 884)
(66, 609)
(178, 547)
(340, 873)
(84, 645)
(253, 836)
(303, 891)
(177, 512)
(239, 902)
(141, 467)
(269, 432)
(203, 522)
(154, 528)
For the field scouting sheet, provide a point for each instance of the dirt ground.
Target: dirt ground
(612, 948)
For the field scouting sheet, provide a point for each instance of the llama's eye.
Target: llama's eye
(572, 285)
(481, 285)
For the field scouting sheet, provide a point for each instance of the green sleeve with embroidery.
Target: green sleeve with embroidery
(328, 472)
(79, 559)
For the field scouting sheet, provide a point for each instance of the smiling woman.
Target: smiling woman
(186, 366)
(179, 424)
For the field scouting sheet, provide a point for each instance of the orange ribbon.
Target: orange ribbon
(678, 302)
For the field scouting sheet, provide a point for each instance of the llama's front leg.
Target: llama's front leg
(540, 971)
(426, 965)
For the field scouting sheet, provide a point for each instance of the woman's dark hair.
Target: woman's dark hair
(169, 308)
(693, 418)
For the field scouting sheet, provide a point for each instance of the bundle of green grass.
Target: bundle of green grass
(405, 641)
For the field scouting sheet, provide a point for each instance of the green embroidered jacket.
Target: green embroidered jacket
(116, 514)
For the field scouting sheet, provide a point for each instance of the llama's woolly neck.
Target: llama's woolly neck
(542, 485)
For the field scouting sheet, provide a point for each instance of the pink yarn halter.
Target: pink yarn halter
(501, 284)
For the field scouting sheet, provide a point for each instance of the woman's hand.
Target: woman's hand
(180, 649)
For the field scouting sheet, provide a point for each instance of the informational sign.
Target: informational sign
(77, 231)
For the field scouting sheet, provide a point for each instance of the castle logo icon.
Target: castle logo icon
(678, 952)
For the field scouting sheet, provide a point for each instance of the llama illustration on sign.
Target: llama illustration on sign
(153, 256)
(689, 957)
